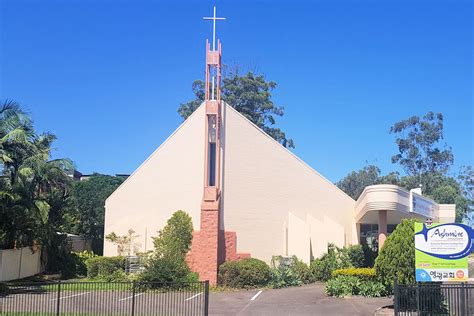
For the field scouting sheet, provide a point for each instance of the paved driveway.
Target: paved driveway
(305, 300)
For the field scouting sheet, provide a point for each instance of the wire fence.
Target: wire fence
(104, 298)
(434, 299)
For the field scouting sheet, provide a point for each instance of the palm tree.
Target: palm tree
(30, 181)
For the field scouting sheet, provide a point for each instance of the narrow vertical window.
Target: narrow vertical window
(212, 164)
(212, 126)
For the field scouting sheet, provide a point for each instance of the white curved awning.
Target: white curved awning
(399, 203)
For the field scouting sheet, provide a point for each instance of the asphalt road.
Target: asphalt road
(104, 303)
(305, 300)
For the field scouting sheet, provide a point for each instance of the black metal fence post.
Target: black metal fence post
(133, 298)
(58, 298)
(418, 298)
(463, 299)
(206, 298)
(395, 296)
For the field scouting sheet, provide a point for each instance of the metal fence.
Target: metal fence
(434, 299)
(104, 298)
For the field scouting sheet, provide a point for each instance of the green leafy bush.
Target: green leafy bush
(81, 267)
(342, 285)
(364, 273)
(369, 255)
(302, 271)
(116, 276)
(176, 236)
(167, 262)
(103, 267)
(397, 257)
(70, 263)
(169, 268)
(245, 273)
(356, 255)
(371, 288)
(335, 258)
(347, 285)
(284, 276)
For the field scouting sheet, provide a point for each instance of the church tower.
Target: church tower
(205, 248)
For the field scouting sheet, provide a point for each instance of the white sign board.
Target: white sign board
(421, 205)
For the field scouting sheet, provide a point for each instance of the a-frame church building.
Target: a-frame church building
(249, 196)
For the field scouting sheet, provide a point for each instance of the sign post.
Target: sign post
(441, 252)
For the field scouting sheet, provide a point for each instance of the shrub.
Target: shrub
(176, 236)
(346, 285)
(302, 271)
(102, 267)
(356, 255)
(335, 258)
(245, 273)
(116, 276)
(369, 255)
(284, 276)
(371, 288)
(342, 285)
(166, 269)
(81, 267)
(363, 273)
(397, 257)
(167, 262)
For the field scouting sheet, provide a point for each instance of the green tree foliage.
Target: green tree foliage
(249, 94)
(355, 182)
(397, 257)
(33, 188)
(167, 262)
(176, 236)
(87, 213)
(124, 243)
(420, 145)
(426, 159)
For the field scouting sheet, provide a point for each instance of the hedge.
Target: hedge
(245, 273)
(365, 273)
(103, 267)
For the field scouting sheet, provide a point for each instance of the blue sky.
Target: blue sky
(108, 76)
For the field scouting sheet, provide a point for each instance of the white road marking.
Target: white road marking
(55, 299)
(127, 298)
(190, 298)
(256, 295)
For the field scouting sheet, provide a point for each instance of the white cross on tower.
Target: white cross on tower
(214, 19)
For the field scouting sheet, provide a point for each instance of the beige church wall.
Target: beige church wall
(263, 182)
(298, 238)
(319, 244)
(170, 179)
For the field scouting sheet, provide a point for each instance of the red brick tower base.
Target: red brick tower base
(211, 246)
(203, 257)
